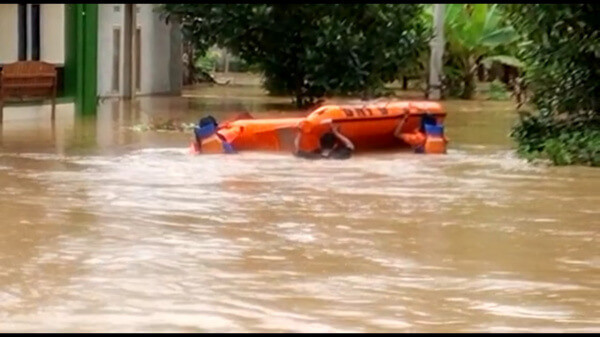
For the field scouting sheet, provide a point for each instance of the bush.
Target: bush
(561, 143)
(309, 51)
(475, 33)
(208, 61)
(497, 91)
(562, 56)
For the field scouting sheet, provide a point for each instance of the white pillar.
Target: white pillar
(134, 51)
(127, 90)
(226, 70)
(437, 52)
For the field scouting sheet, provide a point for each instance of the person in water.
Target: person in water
(417, 138)
(332, 145)
(206, 127)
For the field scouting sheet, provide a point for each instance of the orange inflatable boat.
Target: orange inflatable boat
(371, 126)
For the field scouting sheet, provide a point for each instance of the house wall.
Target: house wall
(160, 51)
(110, 17)
(52, 33)
(9, 37)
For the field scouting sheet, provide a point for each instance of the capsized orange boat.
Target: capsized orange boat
(369, 126)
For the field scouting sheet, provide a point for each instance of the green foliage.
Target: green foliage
(212, 60)
(453, 80)
(473, 33)
(238, 65)
(562, 53)
(562, 57)
(208, 61)
(312, 50)
(561, 143)
(503, 59)
(498, 91)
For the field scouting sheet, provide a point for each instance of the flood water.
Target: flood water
(106, 229)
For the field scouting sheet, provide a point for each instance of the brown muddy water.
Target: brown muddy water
(107, 229)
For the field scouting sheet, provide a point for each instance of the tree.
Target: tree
(562, 69)
(310, 51)
(474, 32)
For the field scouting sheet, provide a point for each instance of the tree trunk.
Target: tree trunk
(506, 74)
(186, 60)
(481, 73)
(226, 70)
(189, 72)
(404, 83)
(469, 86)
(511, 76)
(302, 95)
(299, 100)
(469, 81)
(191, 65)
(495, 72)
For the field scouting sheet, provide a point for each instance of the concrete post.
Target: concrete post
(134, 51)
(226, 55)
(437, 53)
(127, 90)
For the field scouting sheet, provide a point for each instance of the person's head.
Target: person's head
(327, 141)
(206, 127)
(427, 119)
(208, 120)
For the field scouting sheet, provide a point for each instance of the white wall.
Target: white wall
(52, 33)
(176, 62)
(108, 18)
(160, 51)
(156, 52)
(9, 36)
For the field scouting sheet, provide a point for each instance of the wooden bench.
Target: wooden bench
(28, 79)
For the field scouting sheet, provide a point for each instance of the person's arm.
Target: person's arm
(398, 130)
(303, 154)
(227, 147)
(297, 142)
(344, 139)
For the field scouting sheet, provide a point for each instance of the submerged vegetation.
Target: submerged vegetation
(562, 143)
(159, 124)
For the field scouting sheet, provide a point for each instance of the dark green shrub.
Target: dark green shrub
(312, 50)
(562, 56)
